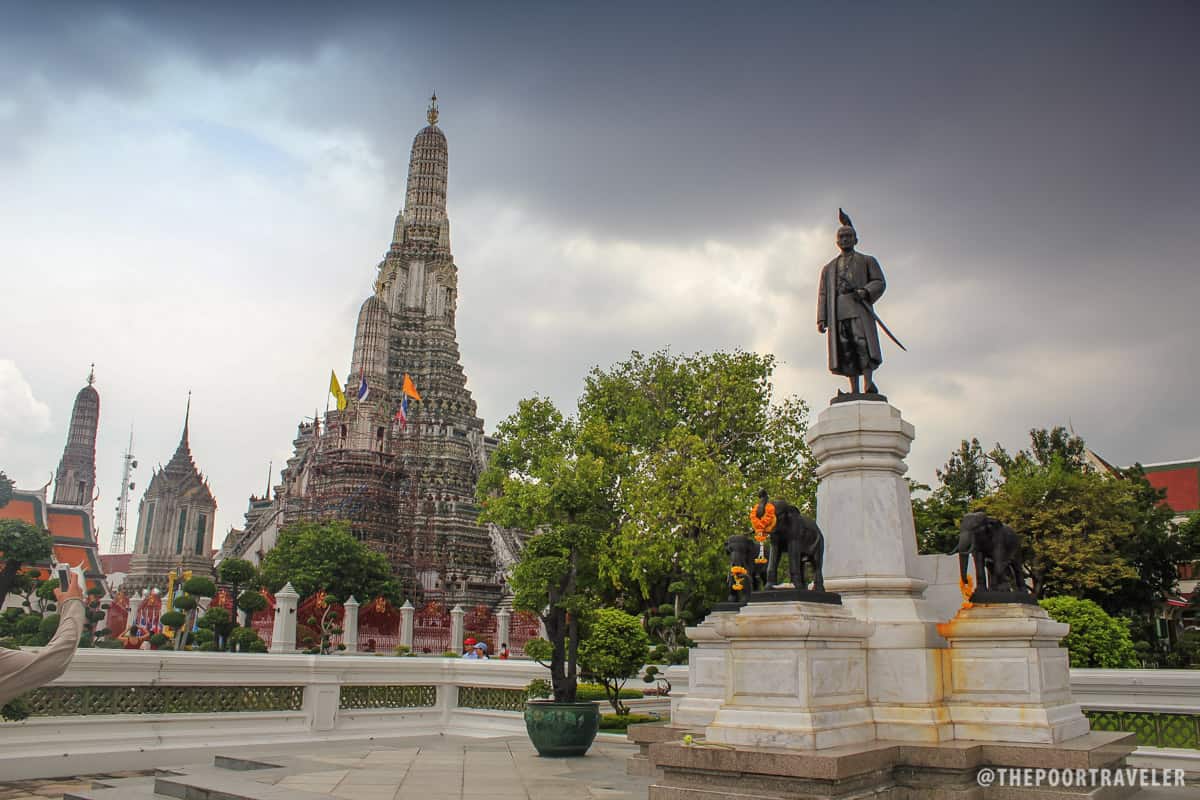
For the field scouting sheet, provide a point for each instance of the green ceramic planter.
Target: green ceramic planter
(561, 729)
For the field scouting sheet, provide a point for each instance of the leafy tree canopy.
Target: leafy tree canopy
(964, 478)
(614, 649)
(315, 556)
(20, 544)
(692, 439)
(1096, 639)
(634, 496)
(6, 489)
(1105, 534)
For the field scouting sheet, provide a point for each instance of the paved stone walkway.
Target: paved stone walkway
(43, 788)
(427, 768)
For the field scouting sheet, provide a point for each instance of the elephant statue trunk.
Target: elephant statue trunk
(964, 552)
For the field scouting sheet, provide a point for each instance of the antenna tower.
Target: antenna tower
(130, 464)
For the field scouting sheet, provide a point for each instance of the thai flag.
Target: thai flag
(363, 389)
(402, 412)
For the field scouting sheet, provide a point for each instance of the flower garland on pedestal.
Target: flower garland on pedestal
(763, 526)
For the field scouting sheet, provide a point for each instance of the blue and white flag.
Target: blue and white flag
(363, 389)
(402, 412)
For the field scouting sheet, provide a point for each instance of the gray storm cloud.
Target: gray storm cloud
(198, 195)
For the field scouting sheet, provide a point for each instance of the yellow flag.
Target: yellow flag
(409, 388)
(336, 389)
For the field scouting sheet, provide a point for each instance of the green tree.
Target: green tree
(541, 477)
(94, 612)
(635, 496)
(1096, 639)
(21, 544)
(250, 602)
(692, 440)
(219, 622)
(1154, 546)
(187, 603)
(963, 479)
(238, 573)
(1075, 525)
(316, 556)
(614, 649)
(6, 489)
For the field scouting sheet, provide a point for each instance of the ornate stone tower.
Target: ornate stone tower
(75, 479)
(441, 450)
(175, 522)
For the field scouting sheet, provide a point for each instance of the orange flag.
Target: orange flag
(409, 389)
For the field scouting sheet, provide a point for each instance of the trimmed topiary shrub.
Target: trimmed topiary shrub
(1096, 639)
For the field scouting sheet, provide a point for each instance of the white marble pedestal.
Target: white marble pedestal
(707, 671)
(797, 678)
(865, 512)
(1008, 679)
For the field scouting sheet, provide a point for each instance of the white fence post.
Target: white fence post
(283, 635)
(350, 625)
(503, 621)
(456, 628)
(406, 625)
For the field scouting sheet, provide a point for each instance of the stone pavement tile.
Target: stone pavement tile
(391, 756)
(556, 790)
(366, 792)
(374, 777)
(15, 794)
(349, 761)
(314, 781)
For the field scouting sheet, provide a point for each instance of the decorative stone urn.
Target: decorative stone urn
(561, 729)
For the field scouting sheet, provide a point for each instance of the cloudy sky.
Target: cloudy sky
(195, 196)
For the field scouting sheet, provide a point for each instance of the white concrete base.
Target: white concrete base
(864, 510)
(798, 678)
(1007, 678)
(707, 673)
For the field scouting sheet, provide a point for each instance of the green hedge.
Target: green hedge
(611, 722)
(594, 691)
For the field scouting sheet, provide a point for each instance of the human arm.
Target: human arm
(21, 670)
(875, 282)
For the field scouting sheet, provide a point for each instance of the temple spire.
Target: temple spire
(75, 479)
(187, 415)
(432, 113)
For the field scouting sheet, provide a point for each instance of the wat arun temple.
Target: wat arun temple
(406, 487)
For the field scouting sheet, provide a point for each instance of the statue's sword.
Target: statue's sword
(882, 324)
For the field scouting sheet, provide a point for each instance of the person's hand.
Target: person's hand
(74, 589)
(862, 294)
(821, 327)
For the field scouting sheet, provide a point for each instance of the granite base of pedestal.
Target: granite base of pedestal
(798, 678)
(1008, 679)
(885, 770)
(652, 733)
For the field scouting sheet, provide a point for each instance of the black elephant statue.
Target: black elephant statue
(742, 551)
(997, 551)
(799, 537)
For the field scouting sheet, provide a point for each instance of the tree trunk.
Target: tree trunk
(8, 576)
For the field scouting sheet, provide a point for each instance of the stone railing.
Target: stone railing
(126, 709)
(1161, 706)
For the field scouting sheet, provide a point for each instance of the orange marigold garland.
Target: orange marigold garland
(765, 524)
(738, 573)
(762, 528)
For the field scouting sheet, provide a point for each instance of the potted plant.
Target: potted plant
(544, 476)
(546, 581)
